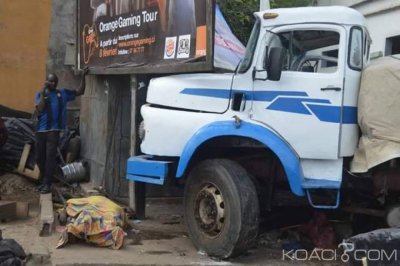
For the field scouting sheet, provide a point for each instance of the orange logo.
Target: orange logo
(90, 42)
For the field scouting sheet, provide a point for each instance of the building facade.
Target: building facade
(24, 31)
(383, 18)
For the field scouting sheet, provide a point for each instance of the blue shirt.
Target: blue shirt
(58, 114)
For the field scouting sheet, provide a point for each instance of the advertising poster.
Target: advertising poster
(134, 33)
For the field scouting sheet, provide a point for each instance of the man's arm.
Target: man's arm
(41, 104)
(82, 87)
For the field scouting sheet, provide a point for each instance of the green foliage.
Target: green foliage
(290, 3)
(239, 13)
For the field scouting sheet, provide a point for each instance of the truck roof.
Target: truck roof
(329, 14)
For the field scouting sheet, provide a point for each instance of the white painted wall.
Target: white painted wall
(382, 26)
(383, 18)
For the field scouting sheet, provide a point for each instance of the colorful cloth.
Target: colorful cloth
(97, 220)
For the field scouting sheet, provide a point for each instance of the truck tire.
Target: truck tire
(221, 208)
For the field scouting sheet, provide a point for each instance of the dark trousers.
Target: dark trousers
(46, 152)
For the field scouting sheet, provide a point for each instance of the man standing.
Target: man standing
(51, 105)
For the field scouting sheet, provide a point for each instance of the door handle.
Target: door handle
(331, 89)
(239, 101)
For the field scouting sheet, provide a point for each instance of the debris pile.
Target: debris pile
(18, 152)
(20, 132)
(318, 233)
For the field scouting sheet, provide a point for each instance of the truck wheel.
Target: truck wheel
(221, 208)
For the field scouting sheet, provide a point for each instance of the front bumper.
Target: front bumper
(148, 170)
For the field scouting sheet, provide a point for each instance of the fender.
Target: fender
(285, 153)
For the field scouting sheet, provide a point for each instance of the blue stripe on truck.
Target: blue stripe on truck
(286, 101)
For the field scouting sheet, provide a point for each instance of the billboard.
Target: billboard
(144, 33)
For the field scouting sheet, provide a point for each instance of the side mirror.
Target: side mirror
(274, 63)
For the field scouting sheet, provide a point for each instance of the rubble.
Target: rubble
(17, 153)
(20, 132)
(14, 187)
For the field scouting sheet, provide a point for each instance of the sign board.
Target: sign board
(145, 35)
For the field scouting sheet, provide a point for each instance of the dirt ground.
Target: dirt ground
(16, 188)
(160, 239)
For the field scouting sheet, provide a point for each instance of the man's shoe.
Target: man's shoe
(45, 189)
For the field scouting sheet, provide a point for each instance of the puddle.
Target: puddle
(158, 252)
(137, 238)
(156, 235)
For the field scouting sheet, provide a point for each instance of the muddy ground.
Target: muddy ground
(160, 239)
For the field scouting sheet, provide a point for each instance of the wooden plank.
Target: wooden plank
(34, 174)
(46, 222)
(22, 169)
(137, 190)
(24, 158)
(22, 210)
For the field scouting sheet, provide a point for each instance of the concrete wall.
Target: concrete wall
(383, 18)
(24, 31)
(94, 117)
(105, 125)
(382, 26)
(61, 45)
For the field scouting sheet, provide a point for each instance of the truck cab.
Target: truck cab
(286, 117)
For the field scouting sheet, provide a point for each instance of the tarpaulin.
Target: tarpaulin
(364, 247)
(378, 114)
(97, 220)
(228, 50)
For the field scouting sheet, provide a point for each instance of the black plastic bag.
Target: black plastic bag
(11, 253)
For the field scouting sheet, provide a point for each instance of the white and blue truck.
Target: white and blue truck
(285, 118)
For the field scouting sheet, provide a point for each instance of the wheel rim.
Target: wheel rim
(209, 210)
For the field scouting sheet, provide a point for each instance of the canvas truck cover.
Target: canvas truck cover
(228, 50)
(160, 36)
(378, 114)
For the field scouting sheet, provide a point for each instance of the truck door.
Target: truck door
(305, 106)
